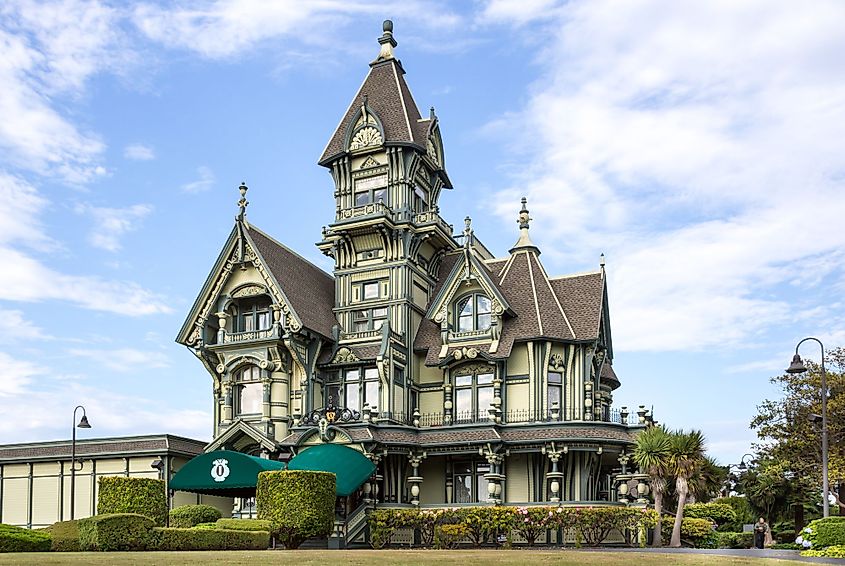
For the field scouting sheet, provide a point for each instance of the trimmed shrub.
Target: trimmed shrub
(719, 513)
(118, 531)
(450, 535)
(837, 551)
(65, 535)
(18, 539)
(188, 516)
(174, 539)
(733, 540)
(145, 496)
(825, 532)
(243, 525)
(698, 532)
(299, 504)
(744, 514)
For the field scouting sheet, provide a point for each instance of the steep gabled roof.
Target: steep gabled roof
(309, 289)
(388, 96)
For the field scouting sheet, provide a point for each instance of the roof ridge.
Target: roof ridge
(581, 274)
(534, 292)
(554, 295)
(403, 103)
(281, 245)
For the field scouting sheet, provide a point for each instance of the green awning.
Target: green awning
(350, 466)
(222, 472)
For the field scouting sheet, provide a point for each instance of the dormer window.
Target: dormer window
(473, 313)
(253, 314)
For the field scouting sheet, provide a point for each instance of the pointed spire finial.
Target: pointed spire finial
(601, 261)
(243, 203)
(387, 42)
(524, 220)
(431, 115)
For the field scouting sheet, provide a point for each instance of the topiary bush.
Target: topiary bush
(117, 531)
(299, 504)
(18, 539)
(825, 532)
(65, 535)
(178, 539)
(243, 524)
(188, 516)
(145, 496)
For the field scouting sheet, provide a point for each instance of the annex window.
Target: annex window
(473, 395)
(554, 388)
(358, 392)
(371, 190)
(468, 482)
(249, 391)
(369, 319)
(252, 315)
(473, 313)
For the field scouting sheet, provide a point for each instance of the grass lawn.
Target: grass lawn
(385, 557)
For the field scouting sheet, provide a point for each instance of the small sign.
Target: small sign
(220, 469)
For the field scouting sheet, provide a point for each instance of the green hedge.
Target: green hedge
(837, 551)
(169, 538)
(65, 535)
(697, 531)
(188, 516)
(719, 513)
(18, 539)
(118, 531)
(299, 504)
(590, 524)
(145, 496)
(243, 524)
(734, 540)
(825, 532)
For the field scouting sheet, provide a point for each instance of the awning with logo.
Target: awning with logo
(351, 467)
(224, 473)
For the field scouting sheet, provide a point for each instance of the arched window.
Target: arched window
(473, 313)
(249, 391)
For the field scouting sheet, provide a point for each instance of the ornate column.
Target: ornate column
(496, 406)
(222, 321)
(447, 404)
(415, 479)
(588, 400)
(372, 492)
(226, 378)
(555, 476)
(494, 477)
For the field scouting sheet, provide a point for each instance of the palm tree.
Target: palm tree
(651, 453)
(686, 456)
(707, 480)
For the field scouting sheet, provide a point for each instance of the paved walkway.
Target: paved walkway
(751, 552)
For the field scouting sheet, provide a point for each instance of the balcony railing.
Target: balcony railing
(431, 217)
(248, 336)
(511, 417)
(370, 209)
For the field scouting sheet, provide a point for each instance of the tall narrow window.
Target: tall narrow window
(473, 396)
(252, 315)
(249, 391)
(371, 387)
(420, 199)
(468, 482)
(473, 313)
(358, 392)
(553, 393)
(351, 392)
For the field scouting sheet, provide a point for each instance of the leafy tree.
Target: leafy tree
(793, 443)
(707, 480)
(686, 456)
(651, 453)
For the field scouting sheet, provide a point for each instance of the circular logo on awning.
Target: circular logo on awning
(220, 469)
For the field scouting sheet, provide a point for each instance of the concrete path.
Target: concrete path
(750, 552)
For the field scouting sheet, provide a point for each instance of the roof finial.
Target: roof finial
(523, 220)
(387, 42)
(467, 231)
(243, 203)
(601, 261)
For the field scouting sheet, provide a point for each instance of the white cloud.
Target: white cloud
(122, 359)
(139, 152)
(699, 146)
(110, 224)
(205, 182)
(15, 328)
(16, 376)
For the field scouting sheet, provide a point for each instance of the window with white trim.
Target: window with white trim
(473, 396)
(473, 312)
(249, 391)
(369, 319)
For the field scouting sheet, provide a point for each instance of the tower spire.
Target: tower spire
(387, 42)
(524, 221)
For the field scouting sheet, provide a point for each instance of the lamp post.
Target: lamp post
(83, 423)
(797, 366)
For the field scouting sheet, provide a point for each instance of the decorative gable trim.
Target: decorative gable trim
(237, 429)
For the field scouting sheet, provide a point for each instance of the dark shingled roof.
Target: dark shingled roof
(102, 447)
(309, 289)
(389, 97)
(567, 309)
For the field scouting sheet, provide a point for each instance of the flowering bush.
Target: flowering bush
(824, 532)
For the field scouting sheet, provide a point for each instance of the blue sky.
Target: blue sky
(698, 145)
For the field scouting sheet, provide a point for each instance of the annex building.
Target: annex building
(424, 370)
